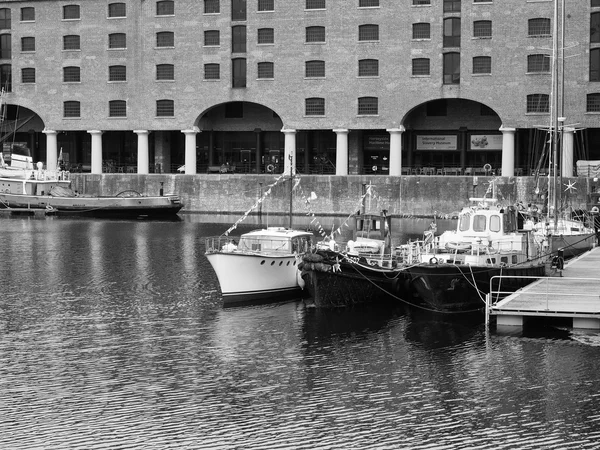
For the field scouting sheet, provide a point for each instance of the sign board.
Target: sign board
(377, 142)
(437, 142)
(485, 142)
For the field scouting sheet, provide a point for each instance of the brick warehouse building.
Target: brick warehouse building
(338, 87)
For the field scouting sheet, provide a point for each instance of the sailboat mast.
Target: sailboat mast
(291, 186)
(554, 118)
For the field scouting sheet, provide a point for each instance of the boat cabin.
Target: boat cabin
(275, 240)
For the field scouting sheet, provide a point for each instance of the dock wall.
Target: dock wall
(418, 196)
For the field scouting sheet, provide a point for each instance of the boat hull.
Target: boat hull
(247, 278)
(454, 287)
(572, 245)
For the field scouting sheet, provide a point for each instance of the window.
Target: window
(451, 5)
(421, 31)
(315, 4)
(452, 32)
(117, 108)
(71, 74)
(368, 106)
(6, 77)
(71, 42)
(538, 103)
(117, 40)
(595, 3)
(238, 73)
(117, 73)
(482, 1)
(165, 8)
(165, 72)
(238, 39)
(71, 109)
(420, 67)
(421, 2)
(212, 38)
(266, 5)
(593, 103)
(28, 75)
(595, 64)
(482, 29)
(165, 108)
(266, 70)
(27, 14)
(314, 69)
(211, 72)
(368, 68)
(71, 12)
(538, 63)
(315, 34)
(479, 222)
(5, 46)
(368, 3)
(5, 22)
(595, 27)
(266, 36)
(314, 106)
(116, 10)
(238, 9)
(451, 68)
(28, 44)
(538, 27)
(482, 65)
(212, 7)
(165, 39)
(368, 32)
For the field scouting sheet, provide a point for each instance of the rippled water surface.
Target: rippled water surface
(113, 336)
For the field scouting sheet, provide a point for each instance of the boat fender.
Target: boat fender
(595, 210)
(433, 260)
(487, 168)
(441, 260)
(270, 168)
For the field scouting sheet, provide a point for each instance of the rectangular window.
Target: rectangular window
(539, 63)
(595, 64)
(27, 14)
(482, 1)
(71, 12)
(165, 39)
(165, 108)
(482, 65)
(5, 46)
(238, 10)
(314, 69)
(72, 42)
(420, 67)
(117, 108)
(451, 5)
(452, 32)
(595, 27)
(117, 40)
(368, 68)
(238, 73)
(368, 106)
(538, 103)
(368, 32)
(5, 19)
(482, 29)
(266, 5)
(593, 103)
(538, 27)
(595, 3)
(165, 72)
(238, 39)
(71, 109)
(117, 73)
(212, 38)
(28, 44)
(71, 74)
(212, 7)
(421, 2)
(315, 4)
(165, 8)
(368, 3)
(314, 106)
(116, 10)
(266, 70)
(211, 72)
(266, 36)
(421, 31)
(315, 34)
(451, 68)
(28, 75)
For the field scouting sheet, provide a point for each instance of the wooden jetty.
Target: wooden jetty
(573, 293)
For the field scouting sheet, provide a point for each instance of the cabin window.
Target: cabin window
(479, 222)
(494, 223)
(514, 259)
(464, 223)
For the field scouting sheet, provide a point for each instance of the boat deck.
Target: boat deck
(573, 293)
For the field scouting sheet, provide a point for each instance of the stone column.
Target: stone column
(51, 149)
(566, 168)
(341, 152)
(190, 151)
(396, 150)
(142, 149)
(289, 157)
(508, 151)
(96, 151)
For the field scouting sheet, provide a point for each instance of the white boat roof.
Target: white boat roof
(276, 232)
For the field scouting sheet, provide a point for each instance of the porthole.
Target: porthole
(262, 262)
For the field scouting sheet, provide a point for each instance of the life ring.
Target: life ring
(595, 210)
(433, 260)
(487, 167)
(270, 168)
